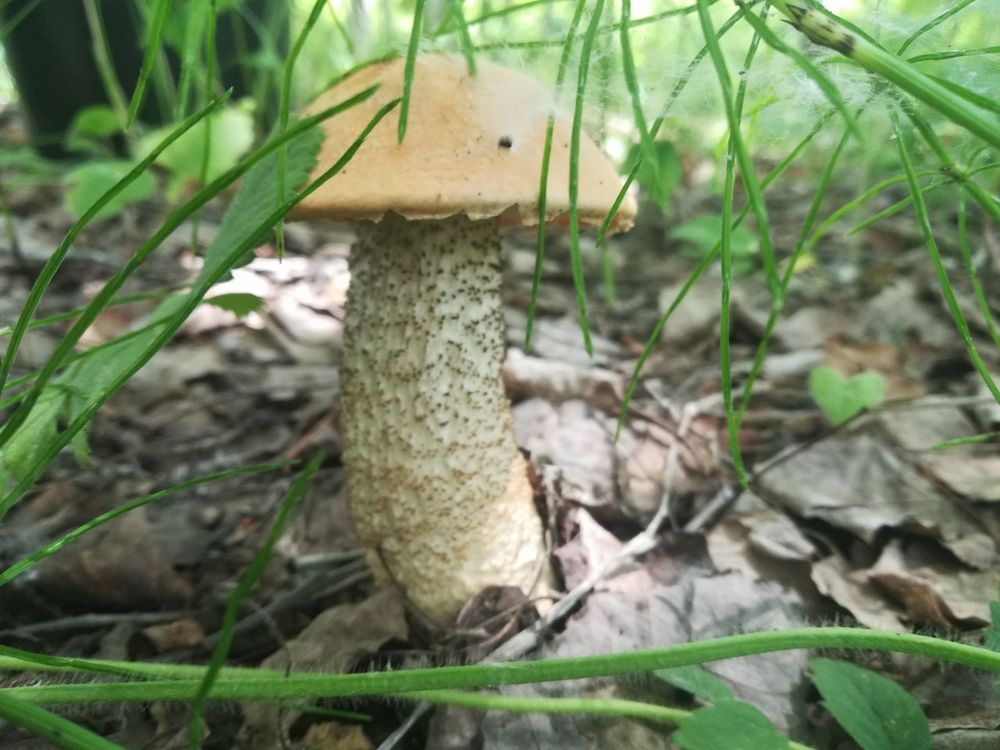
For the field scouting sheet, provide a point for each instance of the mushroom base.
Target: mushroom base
(437, 487)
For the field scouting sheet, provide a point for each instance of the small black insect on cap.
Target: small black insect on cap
(505, 142)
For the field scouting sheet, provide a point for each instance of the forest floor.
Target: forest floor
(859, 523)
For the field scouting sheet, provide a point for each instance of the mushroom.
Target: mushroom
(437, 488)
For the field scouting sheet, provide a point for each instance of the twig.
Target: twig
(93, 621)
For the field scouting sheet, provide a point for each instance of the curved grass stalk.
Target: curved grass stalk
(180, 682)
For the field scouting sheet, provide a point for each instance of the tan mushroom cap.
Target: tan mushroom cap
(473, 145)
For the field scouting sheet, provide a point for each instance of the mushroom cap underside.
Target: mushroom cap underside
(473, 146)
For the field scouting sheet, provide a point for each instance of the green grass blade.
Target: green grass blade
(284, 96)
(933, 24)
(576, 261)
(52, 547)
(696, 274)
(816, 75)
(954, 53)
(51, 727)
(543, 184)
(949, 166)
(206, 94)
(632, 83)
(736, 152)
(826, 176)
(984, 437)
(923, 219)
(500, 12)
(153, 46)
(211, 273)
(658, 123)
(896, 207)
(79, 356)
(412, 49)
(75, 312)
(23, 12)
(243, 588)
(465, 40)
(608, 29)
(101, 53)
(970, 268)
(52, 265)
(973, 97)
(195, 14)
(829, 30)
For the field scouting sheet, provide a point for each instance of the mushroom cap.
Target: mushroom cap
(473, 145)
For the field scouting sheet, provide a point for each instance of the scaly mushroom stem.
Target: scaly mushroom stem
(438, 489)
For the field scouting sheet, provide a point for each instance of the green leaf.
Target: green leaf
(697, 681)
(90, 181)
(229, 134)
(703, 232)
(239, 304)
(728, 725)
(91, 126)
(27, 445)
(840, 398)
(875, 711)
(660, 177)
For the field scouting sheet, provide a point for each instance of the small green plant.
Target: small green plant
(700, 234)
(658, 171)
(841, 397)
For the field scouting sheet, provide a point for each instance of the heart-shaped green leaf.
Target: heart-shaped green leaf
(841, 398)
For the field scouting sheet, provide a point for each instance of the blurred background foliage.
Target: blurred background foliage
(251, 43)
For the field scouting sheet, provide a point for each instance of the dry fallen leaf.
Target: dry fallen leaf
(855, 482)
(762, 543)
(118, 566)
(933, 589)
(968, 472)
(835, 578)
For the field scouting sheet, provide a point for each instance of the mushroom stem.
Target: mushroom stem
(438, 489)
